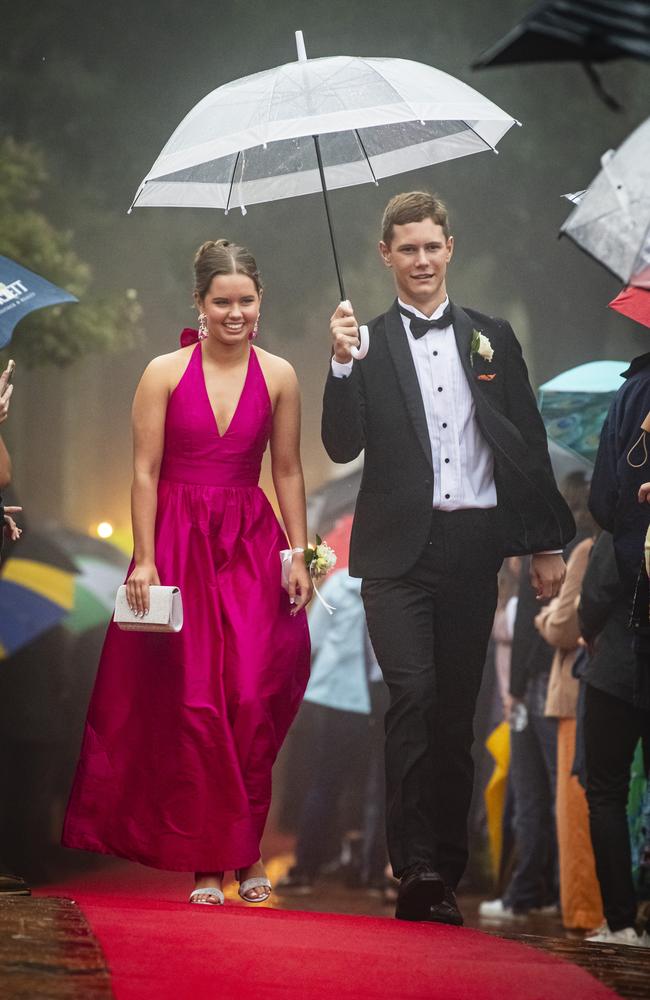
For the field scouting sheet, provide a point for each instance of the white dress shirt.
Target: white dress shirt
(463, 465)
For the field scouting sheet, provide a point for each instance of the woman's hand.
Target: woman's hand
(144, 575)
(301, 587)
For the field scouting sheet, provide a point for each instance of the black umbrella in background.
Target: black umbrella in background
(586, 31)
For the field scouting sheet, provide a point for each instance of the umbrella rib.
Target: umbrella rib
(484, 141)
(360, 141)
(232, 180)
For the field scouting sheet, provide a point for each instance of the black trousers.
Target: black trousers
(430, 631)
(612, 730)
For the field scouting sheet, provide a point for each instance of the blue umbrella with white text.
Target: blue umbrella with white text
(21, 292)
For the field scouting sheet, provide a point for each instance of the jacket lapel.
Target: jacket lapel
(500, 433)
(407, 378)
(463, 331)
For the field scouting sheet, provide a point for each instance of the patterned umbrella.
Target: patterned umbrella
(574, 405)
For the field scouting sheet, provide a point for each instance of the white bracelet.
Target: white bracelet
(296, 550)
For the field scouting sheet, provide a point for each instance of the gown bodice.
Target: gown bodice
(195, 451)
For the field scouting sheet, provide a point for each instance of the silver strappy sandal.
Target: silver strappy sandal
(208, 890)
(257, 882)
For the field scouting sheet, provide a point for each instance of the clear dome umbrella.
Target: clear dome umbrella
(611, 220)
(316, 125)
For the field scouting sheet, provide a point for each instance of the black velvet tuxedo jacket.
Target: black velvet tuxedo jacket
(379, 408)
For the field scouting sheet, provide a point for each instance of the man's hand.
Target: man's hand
(644, 493)
(344, 330)
(547, 574)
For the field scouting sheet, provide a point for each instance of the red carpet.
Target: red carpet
(159, 949)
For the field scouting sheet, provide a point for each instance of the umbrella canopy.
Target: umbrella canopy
(22, 291)
(252, 140)
(633, 303)
(574, 405)
(37, 587)
(581, 30)
(611, 222)
(318, 124)
(102, 568)
(94, 594)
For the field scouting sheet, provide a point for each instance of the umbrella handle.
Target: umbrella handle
(364, 337)
(364, 344)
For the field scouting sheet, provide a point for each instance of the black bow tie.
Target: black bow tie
(421, 326)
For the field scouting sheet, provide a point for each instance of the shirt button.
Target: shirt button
(447, 496)
(435, 354)
(439, 388)
(444, 425)
(447, 461)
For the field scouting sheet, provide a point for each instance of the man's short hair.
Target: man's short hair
(414, 206)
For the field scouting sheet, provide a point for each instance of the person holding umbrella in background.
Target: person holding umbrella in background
(10, 884)
(456, 476)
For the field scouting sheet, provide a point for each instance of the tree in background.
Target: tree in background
(58, 335)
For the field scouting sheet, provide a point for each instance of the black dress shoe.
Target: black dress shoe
(297, 882)
(12, 885)
(420, 889)
(447, 911)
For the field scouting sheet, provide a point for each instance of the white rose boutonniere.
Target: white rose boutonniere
(480, 345)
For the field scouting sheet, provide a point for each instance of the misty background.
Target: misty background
(98, 88)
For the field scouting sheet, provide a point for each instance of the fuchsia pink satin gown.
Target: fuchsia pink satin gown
(183, 729)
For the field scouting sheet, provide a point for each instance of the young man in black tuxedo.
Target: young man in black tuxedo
(456, 476)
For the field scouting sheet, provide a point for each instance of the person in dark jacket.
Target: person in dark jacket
(612, 729)
(10, 884)
(622, 467)
(456, 476)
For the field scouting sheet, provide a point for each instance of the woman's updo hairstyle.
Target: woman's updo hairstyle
(222, 257)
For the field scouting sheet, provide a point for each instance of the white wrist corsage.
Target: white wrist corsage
(319, 560)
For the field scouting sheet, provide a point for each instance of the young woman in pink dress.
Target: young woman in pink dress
(183, 729)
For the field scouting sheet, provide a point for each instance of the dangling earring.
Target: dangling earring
(254, 332)
(203, 326)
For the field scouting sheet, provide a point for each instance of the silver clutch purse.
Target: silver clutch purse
(165, 611)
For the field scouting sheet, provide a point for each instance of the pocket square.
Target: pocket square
(485, 378)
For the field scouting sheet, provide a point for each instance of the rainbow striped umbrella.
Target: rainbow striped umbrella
(37, 587)
(101, 569)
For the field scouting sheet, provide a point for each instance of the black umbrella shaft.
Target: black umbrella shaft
(329, 218)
